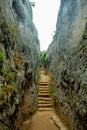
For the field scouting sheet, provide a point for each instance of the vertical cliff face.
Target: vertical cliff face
(19, 60)
(71, 22)
(66, 56)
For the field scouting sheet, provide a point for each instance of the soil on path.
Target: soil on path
(44, 118)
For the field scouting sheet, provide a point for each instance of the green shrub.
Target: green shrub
(12, 30)
(15, 85)
(3, 70)
(2, 56)
(42, 57)
(11, 75)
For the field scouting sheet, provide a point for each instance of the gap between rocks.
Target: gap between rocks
(45, 117)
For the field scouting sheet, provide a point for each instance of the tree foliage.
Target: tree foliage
(42, 57)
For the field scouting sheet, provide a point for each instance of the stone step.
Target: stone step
(44, 102)
(43, 95)
(44, 98)
(46, 81)
(43, 83)
(45, 109)
(44, 105)
(43, 91)
(42, 72)
(45, 88)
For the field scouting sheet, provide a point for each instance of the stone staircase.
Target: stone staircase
(44, 99)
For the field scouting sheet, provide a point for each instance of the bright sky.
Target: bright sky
(45, 18)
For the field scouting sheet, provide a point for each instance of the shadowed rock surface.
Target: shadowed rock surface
(67, 61)
(19, 62)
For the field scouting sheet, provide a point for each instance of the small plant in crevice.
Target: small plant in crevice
(3, 70)
(12, 32)
(69, 89)
(8, 30)
(6, 90)
(2, 56)
(18, 62)
(15, 85)
(11, 75)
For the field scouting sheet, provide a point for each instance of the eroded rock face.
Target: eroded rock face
(19, 59)
(67, 57)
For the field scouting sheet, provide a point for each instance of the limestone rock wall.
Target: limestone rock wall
(19, 60)
(66, 60)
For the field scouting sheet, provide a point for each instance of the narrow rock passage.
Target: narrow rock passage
(44, 118)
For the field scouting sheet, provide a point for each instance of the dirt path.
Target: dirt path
(45, 118)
